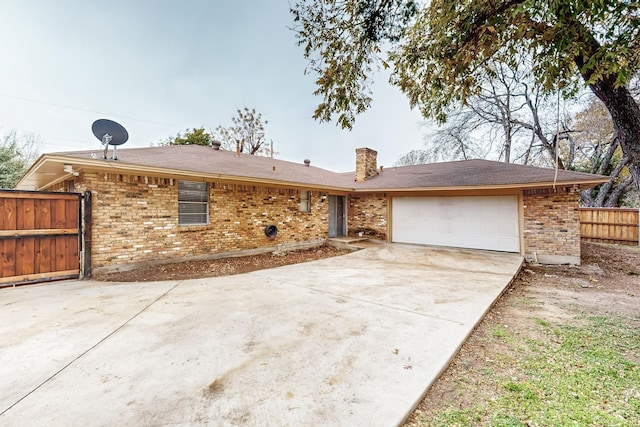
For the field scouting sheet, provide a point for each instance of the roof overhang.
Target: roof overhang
(46, 171)
(545, 184)
(49, 170)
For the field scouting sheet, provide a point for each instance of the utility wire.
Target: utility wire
(82, 143)
(53, 104)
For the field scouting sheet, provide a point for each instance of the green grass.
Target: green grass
(587, 375)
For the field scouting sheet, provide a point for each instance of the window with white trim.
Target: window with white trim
(305, 201)
(193, 203)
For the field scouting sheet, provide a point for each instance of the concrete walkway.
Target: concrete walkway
(351, 340)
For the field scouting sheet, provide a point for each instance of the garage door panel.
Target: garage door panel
(477, 222)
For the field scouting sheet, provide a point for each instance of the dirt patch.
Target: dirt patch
(221, 267)
(606, 284)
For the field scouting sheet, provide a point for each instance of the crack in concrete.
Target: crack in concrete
(75, 359)
(367, 301)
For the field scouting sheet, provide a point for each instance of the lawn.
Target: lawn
(562, 347)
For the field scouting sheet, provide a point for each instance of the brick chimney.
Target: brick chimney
(366, 163)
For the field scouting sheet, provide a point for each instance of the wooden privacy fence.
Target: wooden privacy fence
(39, 236)
(610, 225)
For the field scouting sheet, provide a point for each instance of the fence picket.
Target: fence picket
(39, 236)
(610, 225)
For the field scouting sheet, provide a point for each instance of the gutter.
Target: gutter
(543, 184)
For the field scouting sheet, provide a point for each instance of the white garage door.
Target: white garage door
(477, 222)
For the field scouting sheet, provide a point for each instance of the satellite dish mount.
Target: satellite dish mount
(109, 133)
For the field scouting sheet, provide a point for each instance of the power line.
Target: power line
(69, 107)
(68, 141)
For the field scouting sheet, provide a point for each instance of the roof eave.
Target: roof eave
(583, 183)
(81, 164)
(32, 170)
(99, 164)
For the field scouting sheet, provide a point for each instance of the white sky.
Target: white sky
(161, 66)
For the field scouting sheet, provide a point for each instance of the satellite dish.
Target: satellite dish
(109, 133)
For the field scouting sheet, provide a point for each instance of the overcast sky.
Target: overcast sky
(161, 66)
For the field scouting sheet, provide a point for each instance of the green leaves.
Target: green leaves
(195, 136)
(17, 153)
(12, 167)
(343, 42)
(439, 51)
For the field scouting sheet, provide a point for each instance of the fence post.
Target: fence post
(86, 235)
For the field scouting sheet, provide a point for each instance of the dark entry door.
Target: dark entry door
(337, 216)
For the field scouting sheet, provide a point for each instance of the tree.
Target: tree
(414, 157)
(195, 136)
(246, 135)
(597, 150)
(438, 52)
(17, 153)
(504, 121)
(456, 139)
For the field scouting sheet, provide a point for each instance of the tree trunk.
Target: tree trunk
(507, 143)
(608, 193)
(624, 110)
(551, 147)
(614, 198)
(625, 114)
(607, 187)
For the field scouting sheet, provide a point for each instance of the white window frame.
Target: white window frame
(193, 203)
(305, 201)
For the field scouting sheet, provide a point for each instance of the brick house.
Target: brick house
(159, 204)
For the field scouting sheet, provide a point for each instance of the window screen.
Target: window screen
(193, 203)
(305, 201)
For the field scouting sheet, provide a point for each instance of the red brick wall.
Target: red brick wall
(552, 226)
(368, 213)
(135, 220)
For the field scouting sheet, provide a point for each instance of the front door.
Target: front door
(337, 216)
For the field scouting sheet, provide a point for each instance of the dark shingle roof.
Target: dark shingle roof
(470, 173)
(195, 159)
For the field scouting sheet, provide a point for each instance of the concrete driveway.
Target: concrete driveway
(351, 340)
